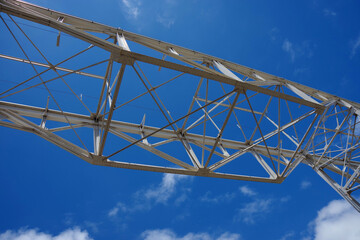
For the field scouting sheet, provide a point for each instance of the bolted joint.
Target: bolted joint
(96, 118)
(98, 160)
(203, 171)
(240, 89)
(180, 132)
(320, 110)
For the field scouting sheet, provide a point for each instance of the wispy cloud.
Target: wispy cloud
(274, 33)
(245, 190)
(288, 47)
(115, 210)
(328, 12)
(131, 8)
(296, 50)
(33, 234)
(258, 206)
(301, 71)
(145, 199)
(253, 210)
(167, 187)
(337, 220)
(165, 21)
(166, 13)
(92, 226)
(142, 12)
(288, 236)
(355, 45)
(182, 197)
(305, 185)
(167, 234)
(285, 199)
(226, 197)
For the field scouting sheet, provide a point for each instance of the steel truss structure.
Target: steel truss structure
(212, 117)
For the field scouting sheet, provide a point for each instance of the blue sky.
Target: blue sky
(49, 193)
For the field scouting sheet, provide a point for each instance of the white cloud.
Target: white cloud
(337, 220)
(285, 199)
(183, 197)
(34, 234)
(166, 13)
(355, 46)
(167, 234)
(229, 236)
(274, 33)
(131, 8)
(296, 50)
(165, 21)
(288, 47)
(149, 12)
(287, 236)
(305, 185)
(328, 12)
(160, 194)
(165, 189)
(217, 198)
(245, 190)
(115, 210)
(302, 71)
(92, 225)
(253, 210)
